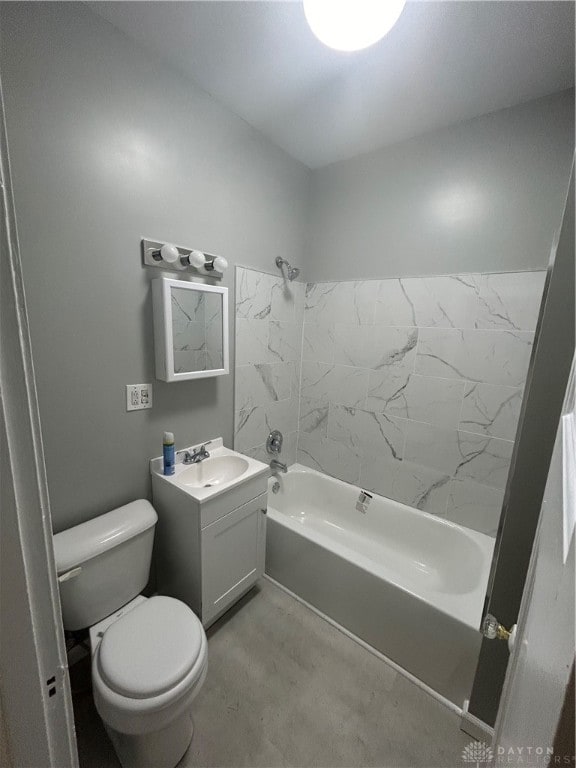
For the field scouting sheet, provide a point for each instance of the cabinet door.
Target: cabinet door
(233, 550)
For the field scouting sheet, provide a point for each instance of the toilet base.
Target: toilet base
(159, 749)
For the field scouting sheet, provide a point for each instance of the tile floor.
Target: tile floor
(285, 688)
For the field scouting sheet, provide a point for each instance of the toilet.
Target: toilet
(149, 655)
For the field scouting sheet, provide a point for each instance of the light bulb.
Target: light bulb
(197, 259)
(220, 263)
(351, 25)
(169, 253)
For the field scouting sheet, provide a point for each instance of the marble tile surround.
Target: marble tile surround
(269, 321)
(408, 387)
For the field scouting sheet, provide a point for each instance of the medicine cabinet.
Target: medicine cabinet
(190, 329)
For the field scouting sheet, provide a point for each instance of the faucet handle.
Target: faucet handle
(274, 441)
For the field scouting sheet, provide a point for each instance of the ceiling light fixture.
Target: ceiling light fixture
(351, 25)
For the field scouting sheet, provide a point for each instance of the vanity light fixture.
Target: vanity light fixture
(352, 25)
(168, 253)
(218, 264)
(210, 263)
(168, 256)
(197, 259)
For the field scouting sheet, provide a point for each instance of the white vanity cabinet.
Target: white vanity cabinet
(209, 554)
(233, 552)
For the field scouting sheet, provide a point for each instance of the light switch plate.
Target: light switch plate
(138, 396)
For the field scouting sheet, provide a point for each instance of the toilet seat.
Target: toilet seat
(138, 714)
(150, 649)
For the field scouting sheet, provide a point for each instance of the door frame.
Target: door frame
(514, 665)
(546, 383)
(35, 687)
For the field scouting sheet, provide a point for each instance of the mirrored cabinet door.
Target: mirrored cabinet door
(190, 329)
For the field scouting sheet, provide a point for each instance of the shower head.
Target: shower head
(291, 272)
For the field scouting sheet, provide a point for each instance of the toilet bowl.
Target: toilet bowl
(148, 664)
(149, 655)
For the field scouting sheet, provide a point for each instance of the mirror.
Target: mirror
(190, 329)
(196, 330)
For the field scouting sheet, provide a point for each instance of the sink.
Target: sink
(213, 471)
(223, 471)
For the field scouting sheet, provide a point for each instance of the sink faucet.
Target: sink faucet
(275, 465)
(196, 456)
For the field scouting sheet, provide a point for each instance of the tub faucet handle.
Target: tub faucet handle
(274, 441)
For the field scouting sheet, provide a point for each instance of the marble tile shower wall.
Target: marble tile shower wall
(412, 387)
(408, 387)
(269, 318)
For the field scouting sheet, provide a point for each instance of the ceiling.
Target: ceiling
(443, 62)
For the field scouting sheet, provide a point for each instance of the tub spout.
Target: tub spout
(276, 465)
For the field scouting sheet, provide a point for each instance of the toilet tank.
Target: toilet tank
(104, 563)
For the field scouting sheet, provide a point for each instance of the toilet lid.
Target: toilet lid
(151, 648)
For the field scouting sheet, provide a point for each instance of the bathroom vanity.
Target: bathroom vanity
(211, 530)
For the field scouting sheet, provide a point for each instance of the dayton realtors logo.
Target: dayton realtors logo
(477, 753)
(480, 754)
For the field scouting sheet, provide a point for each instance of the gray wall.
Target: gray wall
(107, 145)
(482, 195)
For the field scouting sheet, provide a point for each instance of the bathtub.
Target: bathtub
(408, 584)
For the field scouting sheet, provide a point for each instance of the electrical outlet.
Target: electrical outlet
(138, 396)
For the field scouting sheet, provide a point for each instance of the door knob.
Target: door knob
(493, 630)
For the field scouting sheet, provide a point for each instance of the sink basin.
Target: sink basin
(213, 471)
(203, 482)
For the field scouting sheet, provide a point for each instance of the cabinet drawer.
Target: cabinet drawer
(233, 550)
(220, 506)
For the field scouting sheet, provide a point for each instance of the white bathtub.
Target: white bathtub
(409, 584)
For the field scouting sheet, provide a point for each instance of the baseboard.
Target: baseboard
(475, 727)
(396, 667)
